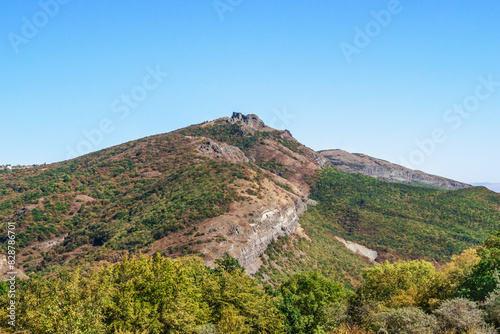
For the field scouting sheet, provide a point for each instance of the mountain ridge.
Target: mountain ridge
(492, 186)
(387, 171)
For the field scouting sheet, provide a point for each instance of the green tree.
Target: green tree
(68, 303)
(156, 295)
(312, 303)
(403, 283)
(450, 277)
(238, 303)
(482, 280)
(228, 263)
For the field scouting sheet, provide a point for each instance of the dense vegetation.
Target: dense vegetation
(414, 297)
(401, 221)
(160, 295)
(151, 295)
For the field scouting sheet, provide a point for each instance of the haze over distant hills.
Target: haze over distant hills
(492, 186)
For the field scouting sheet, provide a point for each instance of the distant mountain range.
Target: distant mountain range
(492, 186)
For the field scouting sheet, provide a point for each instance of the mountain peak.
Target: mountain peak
(251, 120)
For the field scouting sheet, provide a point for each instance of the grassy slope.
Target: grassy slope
(402, 221)
(322, 252)
(397, 220)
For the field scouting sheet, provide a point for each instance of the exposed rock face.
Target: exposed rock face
(48, 244)
(251, 226)
(5, 268)
(268, 226)
(248, 228)
(359, 249)
(384, 170)
(320, 160)
(34, 251)
(216, 150)
(311, 202)
(3, 262)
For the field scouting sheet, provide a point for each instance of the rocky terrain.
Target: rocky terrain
(384, 170)
(250, 226)
(359, 249)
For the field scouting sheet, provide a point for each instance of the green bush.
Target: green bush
(407, 320)
(459, 315)
(492, 305)
(399, 284)
(4, 288)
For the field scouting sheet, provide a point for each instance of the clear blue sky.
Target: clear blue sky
(68, 69)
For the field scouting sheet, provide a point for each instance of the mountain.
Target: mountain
(237, 186)
(492, 186)
(384, 170)
(229, 185)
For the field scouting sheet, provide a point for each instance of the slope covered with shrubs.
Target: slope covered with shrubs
(115, 200)
(401, 221)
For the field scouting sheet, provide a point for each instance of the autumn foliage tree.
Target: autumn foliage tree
(150, 295)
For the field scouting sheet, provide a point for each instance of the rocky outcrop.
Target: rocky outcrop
(251, 120)
(3, 263)
(246, 237)
(247, 229)
(384, 170)
(268, 226)
(48, 244)
(216, 150)
(359, 249)
(318, 158)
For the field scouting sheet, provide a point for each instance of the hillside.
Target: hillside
(398, 221)
(233, 185)
(384, 170)
(230, 185)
